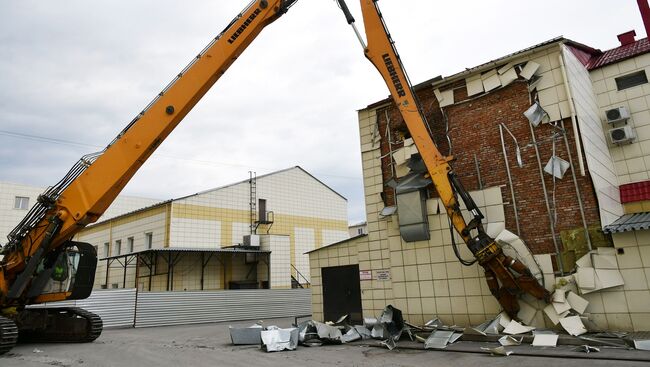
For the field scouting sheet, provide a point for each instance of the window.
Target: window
(107, 249)
(631, 80)
(21, 202)
(118, 247)
(129, 245)
(148, 240)
(104, 286)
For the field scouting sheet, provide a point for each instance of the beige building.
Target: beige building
(200, 241)
(578, 88)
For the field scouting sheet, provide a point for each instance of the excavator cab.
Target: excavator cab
(70, 271)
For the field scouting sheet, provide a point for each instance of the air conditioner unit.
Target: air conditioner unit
(252, 240)
(615, 115)
(622, 135)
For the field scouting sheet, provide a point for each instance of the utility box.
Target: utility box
(252, 240)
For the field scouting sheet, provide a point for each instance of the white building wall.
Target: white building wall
(296, 193)
(597, 155)
(10, 217)
(195, 233)
(239, 230)
(551, 90)
(331, 236)
(280, 247)
(98, 239)
(230, 197)
(289, 192)
(305, 240)
(631, 161)
(138, 228)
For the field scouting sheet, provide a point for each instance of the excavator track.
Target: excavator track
(64, 325)
(8, 335)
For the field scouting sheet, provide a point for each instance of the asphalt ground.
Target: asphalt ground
(209, 345)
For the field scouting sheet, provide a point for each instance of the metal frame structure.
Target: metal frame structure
(149, 259)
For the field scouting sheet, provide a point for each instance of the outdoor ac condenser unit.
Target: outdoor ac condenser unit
(252, 240)
(621, 135)
(615, 115)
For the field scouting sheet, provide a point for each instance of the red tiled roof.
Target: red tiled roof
(621, 53)
(638, 191)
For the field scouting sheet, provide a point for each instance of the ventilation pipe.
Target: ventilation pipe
(645, 14)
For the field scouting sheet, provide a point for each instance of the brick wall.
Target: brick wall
(474, 130)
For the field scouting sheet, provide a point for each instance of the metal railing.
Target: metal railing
(302, 280)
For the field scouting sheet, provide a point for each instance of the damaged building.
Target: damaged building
(553, 144)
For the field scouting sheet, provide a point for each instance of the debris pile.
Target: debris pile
(390, 328)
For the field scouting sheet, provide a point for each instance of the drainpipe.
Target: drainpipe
(645, 15)
(512, 188)
(574, 121)
(576, 137)
(578, 195)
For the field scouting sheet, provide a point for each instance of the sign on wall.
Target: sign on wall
(382, 275)
(365, 274)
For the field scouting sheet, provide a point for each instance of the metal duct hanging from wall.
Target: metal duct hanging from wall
(536, 114)
(557, 167)
(411, 196)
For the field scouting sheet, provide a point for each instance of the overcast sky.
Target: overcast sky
(73, 73)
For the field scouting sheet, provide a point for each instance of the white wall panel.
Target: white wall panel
(597, 153)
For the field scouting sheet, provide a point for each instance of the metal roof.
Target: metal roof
(231, 250)
(629, 222)
(620, 53)
(337, 243)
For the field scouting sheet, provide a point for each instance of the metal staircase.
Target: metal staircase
(298, 280)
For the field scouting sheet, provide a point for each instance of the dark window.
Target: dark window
(148, 240)
(631, 80)
(262, 210)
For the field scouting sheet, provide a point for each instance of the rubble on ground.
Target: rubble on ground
(597, 270)
(389, 329)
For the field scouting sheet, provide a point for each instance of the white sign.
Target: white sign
(365, 274)
(382, 275)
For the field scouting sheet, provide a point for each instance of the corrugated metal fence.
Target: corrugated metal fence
(117, 308)
(179, 308)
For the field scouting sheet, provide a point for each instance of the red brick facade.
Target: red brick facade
(474, 130)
